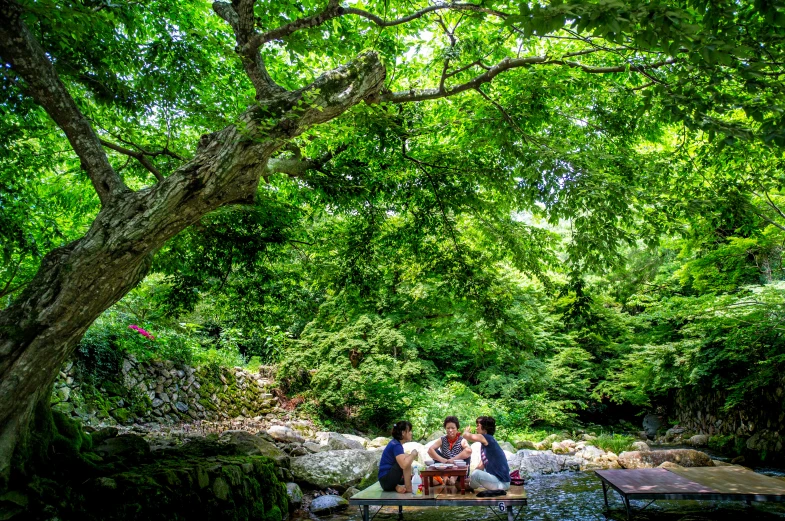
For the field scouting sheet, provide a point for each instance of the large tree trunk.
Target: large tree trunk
(77, 282)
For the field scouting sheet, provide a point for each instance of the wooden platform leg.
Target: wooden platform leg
(400, 512)
(366, 514)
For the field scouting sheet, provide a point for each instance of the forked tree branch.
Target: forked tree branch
(139, 156)
(239, 15)
(505, 65)
(334, 10)
(298, 166)
(30, 63)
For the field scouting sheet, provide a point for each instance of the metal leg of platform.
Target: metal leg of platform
(605, 494)
(366, 515)
(627, 506)
(400, 512)
(510, 516)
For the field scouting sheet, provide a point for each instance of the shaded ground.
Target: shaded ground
(577, 496)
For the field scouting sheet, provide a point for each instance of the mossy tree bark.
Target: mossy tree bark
(77, 282)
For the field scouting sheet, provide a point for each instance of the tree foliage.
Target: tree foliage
(541, 207)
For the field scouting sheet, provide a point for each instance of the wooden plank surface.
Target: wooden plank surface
(452, 495)
(733, 480)
(515, 493)
(375, 492)
(653, 481)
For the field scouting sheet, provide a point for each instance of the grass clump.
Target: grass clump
(616, 443)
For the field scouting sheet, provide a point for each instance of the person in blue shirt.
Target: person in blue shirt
(395, 467)
(493, 472)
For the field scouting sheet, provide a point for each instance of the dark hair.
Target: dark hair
(452, 419)
(488, 424)
(399, 428)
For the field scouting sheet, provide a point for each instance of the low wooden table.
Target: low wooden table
(731, 483)
(429, 472)
(441, 496)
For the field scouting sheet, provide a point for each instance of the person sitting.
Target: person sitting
(452, 447)
(395, 467)
(493, 472)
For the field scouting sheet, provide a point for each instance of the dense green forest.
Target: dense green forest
(546, 209)
(374, 317)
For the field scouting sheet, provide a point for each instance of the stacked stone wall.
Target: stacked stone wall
(161, 391)
(753, 428)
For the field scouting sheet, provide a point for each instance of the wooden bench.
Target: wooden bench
(440, 496)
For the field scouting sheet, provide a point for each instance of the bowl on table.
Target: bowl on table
(429, 462)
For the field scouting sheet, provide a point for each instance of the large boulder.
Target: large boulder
(507, 447)
(378, 442)
(284, 434)
(525, 444)
(435, 435)
(674, 433)
(129, 447)
(533, 462)
(647, 460)
(338, 441)
(359, 439)
(699, 440)
(327, 504)
(641, 446)
(422, 451)
(335, 468)
(295, 496)
(651, 424)
(247, 444)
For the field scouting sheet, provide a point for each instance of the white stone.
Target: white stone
(378, 442)
(335, 468)
(284, 434)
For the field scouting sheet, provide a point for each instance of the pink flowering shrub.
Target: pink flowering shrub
(141, 331)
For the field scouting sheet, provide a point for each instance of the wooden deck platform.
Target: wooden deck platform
(439, 496)
(697, 483)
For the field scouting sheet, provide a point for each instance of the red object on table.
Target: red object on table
(428, 474)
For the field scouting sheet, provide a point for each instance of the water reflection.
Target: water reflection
(577, 496)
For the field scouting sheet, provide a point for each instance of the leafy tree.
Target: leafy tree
(171, 112)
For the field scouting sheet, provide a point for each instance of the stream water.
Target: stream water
(577, 496)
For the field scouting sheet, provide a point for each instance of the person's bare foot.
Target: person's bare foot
(451, 480)
(400, 489)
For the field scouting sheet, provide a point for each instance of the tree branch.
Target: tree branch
(239, 15)
(428, 94)
(504, 112)
(139, 156)
(29, 61)
(297, 166)
(334, 10)
(505, 65)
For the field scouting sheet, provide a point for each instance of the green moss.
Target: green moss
(367, 482)
(113, 388)
(69, 437)
(121, 415)
(724, 444)
(274, 514)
